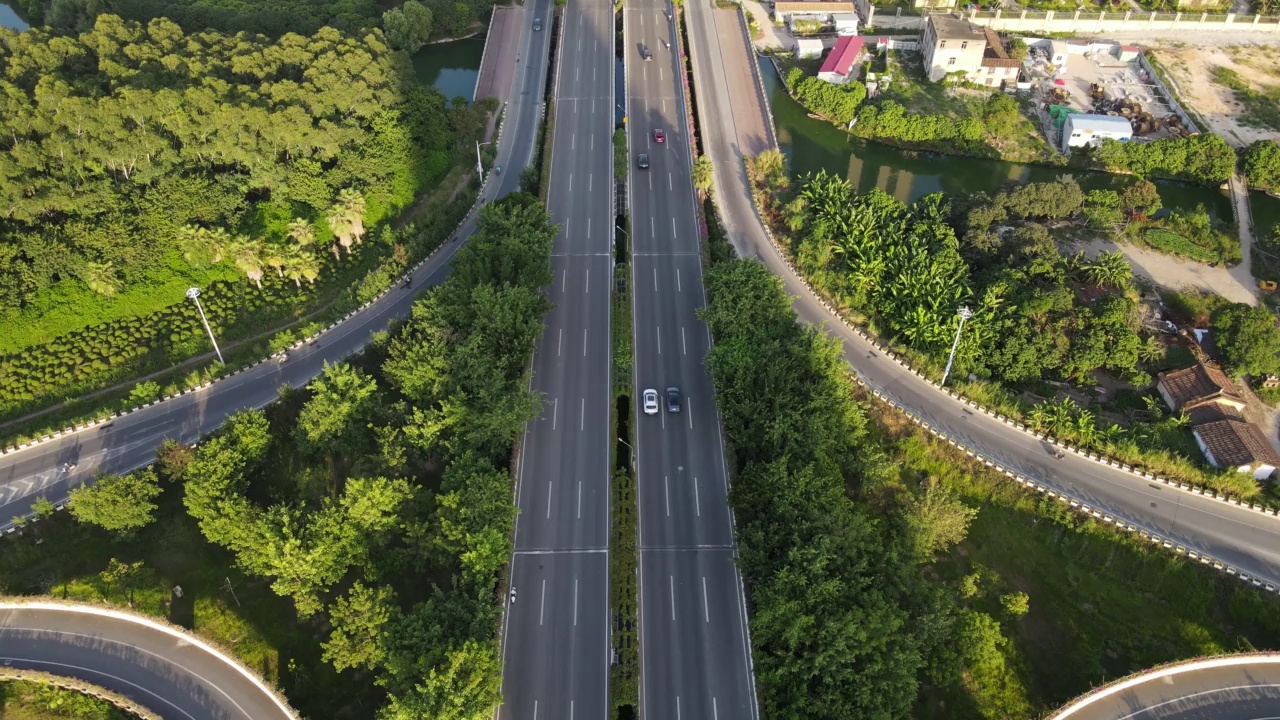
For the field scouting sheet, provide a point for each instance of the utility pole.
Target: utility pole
(231, 589)
(194, 294)
(964, 313)
(479, 165)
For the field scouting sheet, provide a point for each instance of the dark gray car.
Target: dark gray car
(643, 161)
(673, 400)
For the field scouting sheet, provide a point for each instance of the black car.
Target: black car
(643, 161)
(673, 400)
(537, 23)
(646, 53)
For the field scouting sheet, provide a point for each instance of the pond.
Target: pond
(9, 17)
(812, 145)
(451, 67)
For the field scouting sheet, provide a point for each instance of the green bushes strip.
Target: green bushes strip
(1172, 242)
(78, 686)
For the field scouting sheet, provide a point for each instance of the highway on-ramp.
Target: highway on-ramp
(695, 655)
(1241, 687)
(130, 441)
(1244, 538)
(556, 643)
(170, 673)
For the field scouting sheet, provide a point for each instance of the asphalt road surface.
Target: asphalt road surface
(1236, 535)
(167, 674)
(556, 642)
(1249, 691)
(129, 442)
(695, 656)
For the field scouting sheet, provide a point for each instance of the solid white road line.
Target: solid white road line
(650, 183)
(706, 610)
(670, 187)
(673, 228)
(677, 708)
(571, 177)
(564, 280)
(550, 484)
(571, 702)
(590, 181)
(688, 405)
(684, 347)
(652, 232)
(588, 228)
(655, 279)
(535, 710)
(579, 499)
(543, 606)
(659, 339)
(666, 489)
(560, 342)
(697, 503)
(679, 287)
(584, 342)
(555, 411)
(715, 711)
(672, 579)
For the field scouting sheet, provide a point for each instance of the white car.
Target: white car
(650, 402)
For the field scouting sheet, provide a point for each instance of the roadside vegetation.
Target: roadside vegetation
(1206, 159)
(27, 700)
(889, 576)
(104, 236)
(348, 540)
(1046, 328)
(1261, 108)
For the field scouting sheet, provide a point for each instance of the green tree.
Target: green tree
(1015, 604)
(1262, 164)
(43, 507)
(702, 172)
(121, 504)
(1140, 199)
(101, 278)
(1110, 269)
(466, 686)
(938, 520)
(123, 578)
(342, 398)
(1248, 339)
(360, 619)
(476, 517)
(407, 27)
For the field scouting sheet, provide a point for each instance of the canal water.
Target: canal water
(812, 145)
(9, 17)
(451, 67)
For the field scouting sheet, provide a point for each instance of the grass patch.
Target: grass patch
(1175, 244)
(1102, 603)
(620, 154)
(1261, 108)
(25, 700)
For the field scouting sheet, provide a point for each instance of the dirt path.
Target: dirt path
(1175, 273)
(1192, 70)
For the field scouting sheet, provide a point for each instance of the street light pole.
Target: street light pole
(479, 165)
(964, 313)
(194, 294)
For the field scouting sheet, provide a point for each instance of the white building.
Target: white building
(809, 47)
(846, 23)
(1082, 130)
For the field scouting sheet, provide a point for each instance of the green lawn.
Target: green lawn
(1102, 604)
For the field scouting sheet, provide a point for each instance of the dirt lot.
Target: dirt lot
(1192, 69)
(1234, 284)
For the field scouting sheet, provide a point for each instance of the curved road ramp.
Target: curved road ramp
(1237, 687)
(164, 669)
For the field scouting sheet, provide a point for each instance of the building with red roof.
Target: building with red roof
(838, 68)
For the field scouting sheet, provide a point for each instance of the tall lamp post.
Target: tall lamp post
(964, 313)
(194, 294)
(479, 165)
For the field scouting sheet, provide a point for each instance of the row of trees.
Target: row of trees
(337, 494)
(1206, 159)
(843, 623)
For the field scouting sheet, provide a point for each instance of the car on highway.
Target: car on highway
(537, 23)
(673, 399)
(646, 53)
(650, 402)
(659, 136)
(643, 161)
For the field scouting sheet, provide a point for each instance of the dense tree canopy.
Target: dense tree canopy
(1248, 339)
(1262, 164)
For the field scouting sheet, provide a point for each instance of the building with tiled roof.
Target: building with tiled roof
(1200, 384)
(1237, 444)
(1216, 410)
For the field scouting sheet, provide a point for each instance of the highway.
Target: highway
(159, 669)
(130, 441)
(1244, 538)
(556, 639)
(695, 655)
(1243, 687)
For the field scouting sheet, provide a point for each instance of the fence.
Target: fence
(1080, 21)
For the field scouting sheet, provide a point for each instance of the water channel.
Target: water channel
(9, 17)
(451, 67)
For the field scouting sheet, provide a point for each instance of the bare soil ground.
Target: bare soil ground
(1176, 273)
(1192, 68)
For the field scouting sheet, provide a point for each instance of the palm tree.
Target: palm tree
(302, 232)
(702, 175)
(202, 247)
(350, 204)
(340, 224)
(1038, 417)
(275, 254)
(101, 278)
(247, 254)
(1150, 350)
(1110, 268)
(301, 265)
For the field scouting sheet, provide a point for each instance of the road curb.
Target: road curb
(182, 634)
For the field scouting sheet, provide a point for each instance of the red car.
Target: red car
(659, 136)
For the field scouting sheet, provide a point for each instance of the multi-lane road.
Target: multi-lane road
(695, 655)
(556, 643)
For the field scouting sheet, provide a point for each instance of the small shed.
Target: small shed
(1128, 53)
(845, 23)
(809, 47)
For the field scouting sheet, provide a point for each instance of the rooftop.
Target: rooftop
(954, 27)
(995, 46)
(1234, 443)
(1196, 384)
(1112, 123)
(841, 58)
(830, 7)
